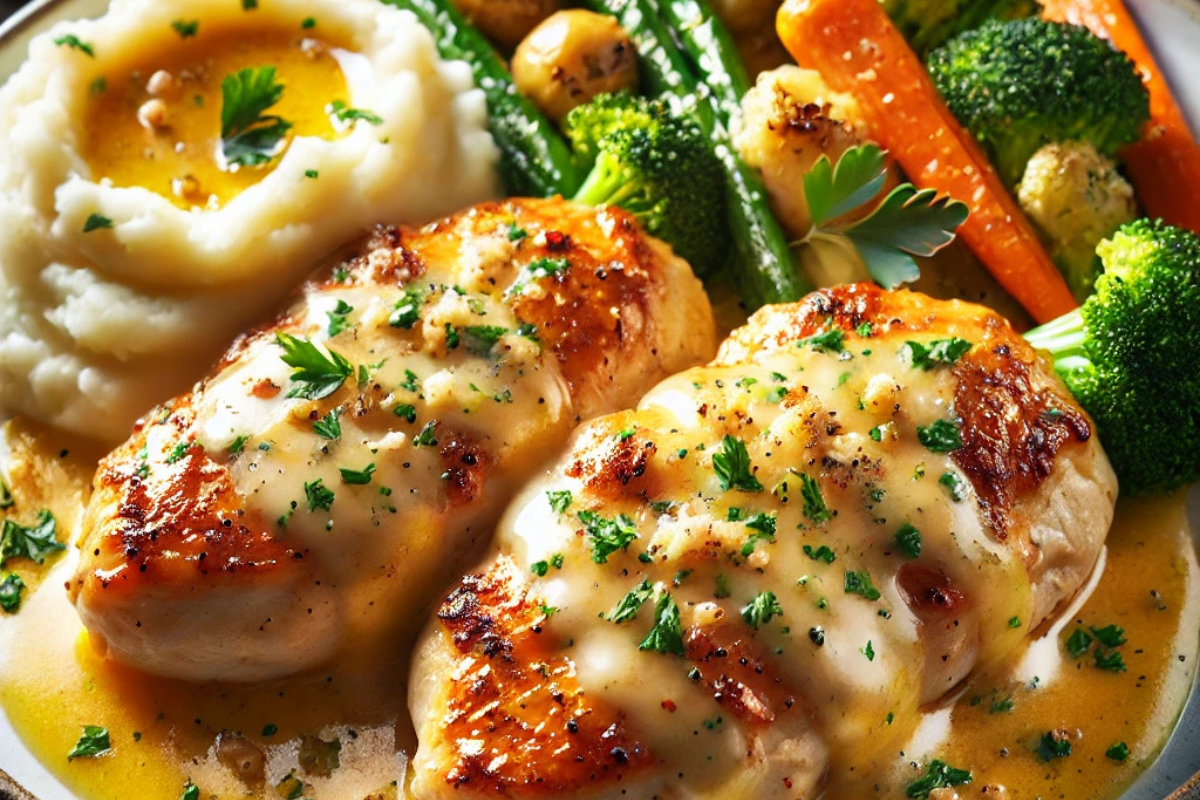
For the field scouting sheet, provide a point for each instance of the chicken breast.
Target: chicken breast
(766, 568)
(329, 477)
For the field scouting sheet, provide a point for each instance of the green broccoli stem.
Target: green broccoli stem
(1065, 339)
(607, 184)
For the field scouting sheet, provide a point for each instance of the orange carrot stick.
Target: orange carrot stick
(1165, 165)
(857, 50)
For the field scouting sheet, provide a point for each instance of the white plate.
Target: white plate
(1172, 28)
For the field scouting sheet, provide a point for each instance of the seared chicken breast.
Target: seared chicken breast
(769, 565)
(329, 476)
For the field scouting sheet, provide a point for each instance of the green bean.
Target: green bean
(711, 52)
(535, 160)
(766, 271)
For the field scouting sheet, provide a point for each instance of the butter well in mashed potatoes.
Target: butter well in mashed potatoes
(171, 170)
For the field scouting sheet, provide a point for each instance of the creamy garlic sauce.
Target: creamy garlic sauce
(164, 733)
(156, 120)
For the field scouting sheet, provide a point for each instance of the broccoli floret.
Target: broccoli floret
(1075, 197)
(658, 165)
(929, 23)
(1022, 84)
(1130, 354)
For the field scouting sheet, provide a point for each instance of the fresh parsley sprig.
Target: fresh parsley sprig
(315, 375)
(909, 222)
(35, 542)
(249, 136)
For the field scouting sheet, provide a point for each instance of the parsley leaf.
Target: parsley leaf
(938, 775)
(1118, 752)
(560, 501)
(329, 426)
(814, 503)
(357, 477)
(1078, 643)
(315, 374)
(406, 412)
(10, 592)
(427, 437)
(344, 114)
(319, 495)
(732, 466)
(822, 553)
(627, 609)
(96, 222)
(92, 742)
(868, 651)
(608, 535)
(1109, 660)
(940, 352)
(906, 223)
(75, 43)
(761, 610)
(943, 436)
(860, 583)
(407, 310)
(908, 540)
(186, 28)
(190, 791)
(667, 634)
(954, 485)
(339, 318)
(34, 543)
(1109, 636)
(1054, 745)
(830, 341)
(248, 136)
(482, 338)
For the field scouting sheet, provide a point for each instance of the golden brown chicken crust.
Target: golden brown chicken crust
(179, 519)
(515, 717)
(1013, 427)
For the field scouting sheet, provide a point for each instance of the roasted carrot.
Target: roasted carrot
(857, 50)
(1165, 165)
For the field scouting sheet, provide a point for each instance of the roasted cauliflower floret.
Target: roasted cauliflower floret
(1076, 197)
(789, 120)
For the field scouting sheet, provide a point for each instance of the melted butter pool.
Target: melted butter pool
(154, 120)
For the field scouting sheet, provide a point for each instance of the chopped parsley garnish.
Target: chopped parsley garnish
(339, 318)
(608, 535)
(190, 791)
(868, 651)
(822, 553)
(560, 500)
(407, 310)
(248, 135)
(721, 591)
(452, 339)
(1109, 636)
(406, 412)
(943, 436)
(1078, 643)
(92, 742)
(732, 465)
(557, 560)
(516, 233)
(938, 775)
(1014, 622)
(329, 426)
(249, 5)
(761, 610)
(35, 542)
(954, 486)
(1109, 660)
(1054, 744)
(96, 222)
(627, 609)
(308, 22)
(315, 375)
(482, 338)
(178, 451)
(548, 267)
(6, 498)
(269, 730)
(358, 477)
(318, 494)
(667, 634)
(10, 593)
(540, 568)
(1001, 705)
(75, 43)
(186, 28)
(529, 331)
(238, 444)
(776, 394)
(426, 437)
(830, 341)
(312, 174)
(814, 503)
(908, 540)
(758, 536)
(345, 114)
(410, 381)
(860, 583)
(865, 330)
(1118, 752)
(936, 353)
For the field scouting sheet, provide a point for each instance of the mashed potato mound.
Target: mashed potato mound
(96, 327)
